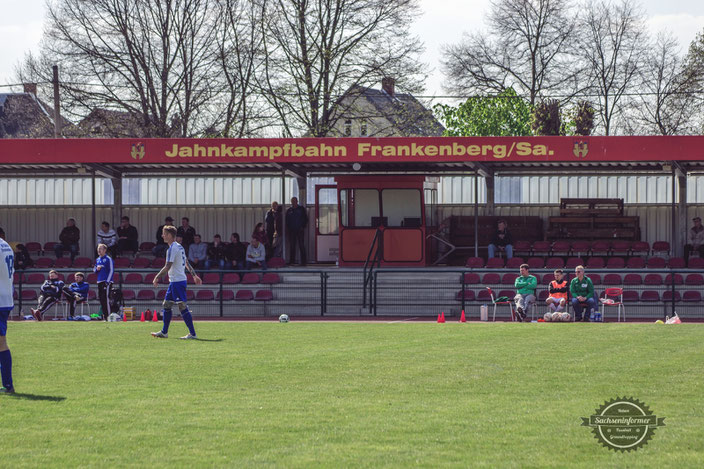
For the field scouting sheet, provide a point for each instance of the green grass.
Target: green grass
(346, 394)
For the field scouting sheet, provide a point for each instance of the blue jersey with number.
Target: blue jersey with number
(177, 256)
(7, 268)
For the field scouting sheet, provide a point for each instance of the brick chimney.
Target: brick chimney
(388, 84)
(30, 88)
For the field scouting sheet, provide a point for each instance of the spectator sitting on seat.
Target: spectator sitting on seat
(235, 253)
(160, 248)
(696, 239)
(216, 253)
(526, 285)
(502, 241)
(557, 299)
(186, 232)
(50, 294)
(76, 293)
(108, 237)
(256, 255)
(197, 253)
(68, 239)
(582, 291)
(127, 236)
(22, 258)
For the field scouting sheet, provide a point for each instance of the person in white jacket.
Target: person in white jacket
(256, 255)
(108, 237)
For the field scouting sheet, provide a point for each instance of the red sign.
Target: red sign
(363, 150)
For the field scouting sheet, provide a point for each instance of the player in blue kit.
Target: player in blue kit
(7, 265)
(176, 265)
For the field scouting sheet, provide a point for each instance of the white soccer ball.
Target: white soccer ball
(284, 318)
(565, 317)
(114, 317)
(547, 317)
(556, 317)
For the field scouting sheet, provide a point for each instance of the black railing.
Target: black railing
(376, 253)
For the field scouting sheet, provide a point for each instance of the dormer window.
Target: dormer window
(363, 130)
(348, 128)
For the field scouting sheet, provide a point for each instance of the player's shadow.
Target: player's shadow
(210, 340)
(35, 397)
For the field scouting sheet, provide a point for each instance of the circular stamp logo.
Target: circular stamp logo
(623, 424)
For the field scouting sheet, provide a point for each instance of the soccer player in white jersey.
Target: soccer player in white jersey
(7, 267)
(176, 265)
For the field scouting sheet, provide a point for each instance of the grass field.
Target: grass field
(264, 394)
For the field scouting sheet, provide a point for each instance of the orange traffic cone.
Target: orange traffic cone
(462, 318)
(142, 317)
(155, 317)
(441, 318)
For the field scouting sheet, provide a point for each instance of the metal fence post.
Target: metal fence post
(222, 306)
(323, 292)
(463, 288)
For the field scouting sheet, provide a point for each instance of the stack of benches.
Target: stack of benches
(593, 219)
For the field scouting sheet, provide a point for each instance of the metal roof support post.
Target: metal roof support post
(283, 215)
(674, 237)
(57, 111)
(489, 183)
(476, 213)
(117, 200)
(93, 217)
(682, 202)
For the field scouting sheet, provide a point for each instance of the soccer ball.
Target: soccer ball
(547, 317)
(556, 317)
(284, 318)
(565, 317)
(114, 317)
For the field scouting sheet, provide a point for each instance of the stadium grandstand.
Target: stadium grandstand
(397, 226)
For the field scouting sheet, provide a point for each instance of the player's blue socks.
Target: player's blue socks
(188, 319)
(6, 369)
(166, 313)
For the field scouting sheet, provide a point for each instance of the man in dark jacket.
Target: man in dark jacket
(160, 248)
(501, 241)
(216, 254)
(68, 240)
(274, 232)
(235, 253)
(186, 232)
(127, 236)
(296, 221)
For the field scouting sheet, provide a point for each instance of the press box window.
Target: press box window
(401, 207)
(360, 207)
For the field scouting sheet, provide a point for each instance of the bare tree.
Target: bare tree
(665, 103)
(160, 61)
(613, 44)
(316, 50)
(528, 47)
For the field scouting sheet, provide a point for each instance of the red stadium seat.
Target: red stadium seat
(276, 262)
(17, 276)
(573, 262)
(158, 263)
(211, 278)
(622, 248)
(70, 278)
(264, 295)
(270, 278)
(509, 279)
(561, 248)
(132, 278)
(632, 279)
(146, 247)
(33, 247)
(92, 295)
(543, 295)
(35, 279)
(536, 262)
(508, 293)
(468, 295)
(29, 295)
(630, 296)
(244, 295)
(615, 263)
(160, 295)
(676, 263)
(694, 280)
(650, 296)
(205, 295)
(471, 278)
(542, 247)
(595, 263)
(250, 278)
(488, 279)
(640, 248)
(190, 295)
(227, 295)
(656, 263)
(474, 262)
(82, 263)
(554, 263)
(580, 248)
(495, 263)
(678, 279)
(483, 295)
(652, 279)
(122, 263)
(612, 279)
(688, 296)
(141, 263)
(514, 263)
(661, 247)
(635, 263)
(49, 247)
(230, 278)
(92, 278)
(667, 296)
(595, 278)
(128, 295)
(62, 263)
(522, 247)
(601, 247)
(146, 295)
(43, 263)
(696, 263)
(149, 279)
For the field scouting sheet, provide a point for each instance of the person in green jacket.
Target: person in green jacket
(582, 291)
(525, 291)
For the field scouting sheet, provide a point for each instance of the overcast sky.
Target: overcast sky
(443, 22)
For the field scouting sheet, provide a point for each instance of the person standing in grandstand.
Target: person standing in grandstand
(525, 284)
(296, 221)
(159, 249)
(50, 294)
(7, 262)
(76, 293)
(557, 298)
(108, 237)
(274, 220)
(176, 265)
(187, 232)
(696, 239)
(127, 236)
(68, 239)
(105, 268)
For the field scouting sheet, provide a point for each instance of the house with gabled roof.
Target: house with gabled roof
(24, 115)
